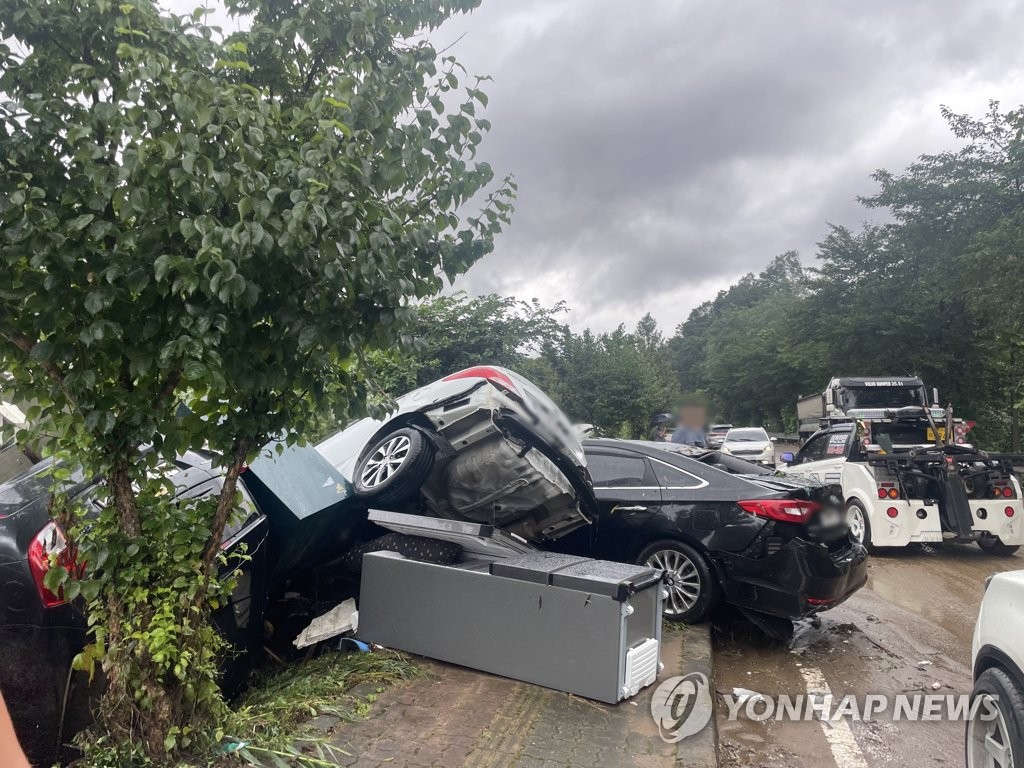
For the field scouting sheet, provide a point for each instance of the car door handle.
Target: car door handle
(636, 508)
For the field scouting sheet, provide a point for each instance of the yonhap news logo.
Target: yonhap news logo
(682, 706)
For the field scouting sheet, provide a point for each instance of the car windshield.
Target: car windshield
(883, 397)
(746, 435)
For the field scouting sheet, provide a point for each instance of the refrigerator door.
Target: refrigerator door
(484, 541)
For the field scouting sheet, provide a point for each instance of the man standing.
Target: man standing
(690, 430)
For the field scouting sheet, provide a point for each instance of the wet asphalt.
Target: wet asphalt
(907, 631)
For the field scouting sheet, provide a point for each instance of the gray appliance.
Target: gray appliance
(588, 627)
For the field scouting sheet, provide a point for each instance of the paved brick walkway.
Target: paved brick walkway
(458, 717)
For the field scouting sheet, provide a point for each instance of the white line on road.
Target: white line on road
(838, 733)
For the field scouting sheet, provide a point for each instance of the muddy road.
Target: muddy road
(908, 631)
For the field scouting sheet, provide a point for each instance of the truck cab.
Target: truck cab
(846, 395)
(900, 492)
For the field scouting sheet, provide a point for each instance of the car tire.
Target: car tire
(993, 545)
(983, 737)
(693, 590)
(860, 525)
(394, 468)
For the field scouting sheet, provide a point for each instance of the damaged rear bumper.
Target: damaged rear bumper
(799, 579)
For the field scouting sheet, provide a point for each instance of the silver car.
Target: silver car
(750, 443)
(484, 445)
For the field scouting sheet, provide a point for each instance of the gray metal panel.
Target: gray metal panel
(536, 566)
(552, 636)
(618, 580)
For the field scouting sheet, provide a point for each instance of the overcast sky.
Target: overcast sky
(665, 147)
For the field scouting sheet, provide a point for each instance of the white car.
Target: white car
(995, 735)
(483, 445)
(750, 443)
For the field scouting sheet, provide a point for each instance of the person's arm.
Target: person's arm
(11, 754)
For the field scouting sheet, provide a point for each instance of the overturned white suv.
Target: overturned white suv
(483, 445)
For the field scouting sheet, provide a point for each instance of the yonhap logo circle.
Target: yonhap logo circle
(682, 706)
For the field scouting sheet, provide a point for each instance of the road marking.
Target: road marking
(838, 733)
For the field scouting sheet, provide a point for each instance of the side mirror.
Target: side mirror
(774, 439)
(935, 395)
(787, 457)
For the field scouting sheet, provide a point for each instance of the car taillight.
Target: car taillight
(1008, 512)
(787, 510)
(498, 378)
(50, 544)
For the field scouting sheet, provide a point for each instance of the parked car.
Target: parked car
(483, 445)
(765, 544)
(716, 434)
(296, 509)
(751, 444)
(995, 736)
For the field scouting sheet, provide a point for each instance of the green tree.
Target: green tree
(450, 333)
(229, 223)
(745, 348)
(615, 381)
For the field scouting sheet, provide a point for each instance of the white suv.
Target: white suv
(483, 445)
(998, 661)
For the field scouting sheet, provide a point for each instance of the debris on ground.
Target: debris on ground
(337, 621)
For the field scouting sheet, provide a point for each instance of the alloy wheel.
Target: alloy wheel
(857, 525)
(988, 742)
(682, 580)
(385, 461)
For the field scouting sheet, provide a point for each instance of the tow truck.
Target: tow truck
(909, 474)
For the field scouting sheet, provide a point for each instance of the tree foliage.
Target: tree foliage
(232, 223)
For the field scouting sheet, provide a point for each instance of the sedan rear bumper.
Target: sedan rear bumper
(799, 579)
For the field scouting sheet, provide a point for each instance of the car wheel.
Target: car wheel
(994, 546)
(860, 527)
(692, 588)
(394, 468)
(998, 741)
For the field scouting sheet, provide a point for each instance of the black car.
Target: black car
(298, 510)
(40, 633)
(722, 528)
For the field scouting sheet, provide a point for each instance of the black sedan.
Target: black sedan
(723, 529)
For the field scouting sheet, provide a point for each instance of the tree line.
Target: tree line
(934, 290)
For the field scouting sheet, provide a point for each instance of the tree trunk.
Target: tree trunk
(225, 503)
(123, 495)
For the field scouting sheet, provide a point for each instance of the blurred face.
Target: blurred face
(692, 416)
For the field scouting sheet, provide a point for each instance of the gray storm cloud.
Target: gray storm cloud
(665, 147)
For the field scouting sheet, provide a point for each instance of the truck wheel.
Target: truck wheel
(860, 526)
(996, 741)
(693, 590)
(994, 546)
(394, 468)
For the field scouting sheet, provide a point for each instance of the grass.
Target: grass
(271, 723)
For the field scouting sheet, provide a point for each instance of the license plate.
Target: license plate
(931, 434)
(830, 517)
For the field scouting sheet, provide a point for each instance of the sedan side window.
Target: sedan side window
(610, 471)
(672, 477)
